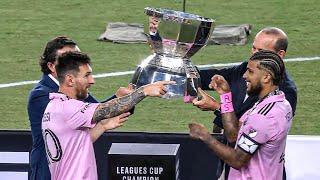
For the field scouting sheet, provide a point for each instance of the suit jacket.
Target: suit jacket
(234, 76)
(37, 103)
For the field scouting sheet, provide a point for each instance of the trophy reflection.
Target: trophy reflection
(174, 37)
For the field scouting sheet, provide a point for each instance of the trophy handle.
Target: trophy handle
(193, 82)
(136, 77)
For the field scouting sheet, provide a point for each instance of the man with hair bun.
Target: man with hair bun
(260, 134)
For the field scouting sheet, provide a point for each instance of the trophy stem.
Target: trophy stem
(175, 36)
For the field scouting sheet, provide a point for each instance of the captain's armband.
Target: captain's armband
(247, 144)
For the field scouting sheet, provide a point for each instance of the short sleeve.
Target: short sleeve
(256, 130)
(79, 114)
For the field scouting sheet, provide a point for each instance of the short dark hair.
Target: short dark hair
(271, 62)
(50, 52)
(69, 62)
(282, 41)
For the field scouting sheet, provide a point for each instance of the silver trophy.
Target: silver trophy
(174, 37)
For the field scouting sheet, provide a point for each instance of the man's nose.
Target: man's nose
(245, 75)
(91, 80)
(253, 50)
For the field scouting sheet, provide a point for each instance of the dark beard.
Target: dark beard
(81, 95)
(255, 91)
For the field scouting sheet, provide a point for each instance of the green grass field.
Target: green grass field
(25, 27)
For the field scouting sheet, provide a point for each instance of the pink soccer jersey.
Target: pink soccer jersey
(263, 134)
(65, 128)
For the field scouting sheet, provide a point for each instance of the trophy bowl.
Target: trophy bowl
(174, 37)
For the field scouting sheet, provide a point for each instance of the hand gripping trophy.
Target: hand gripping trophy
(174, 37)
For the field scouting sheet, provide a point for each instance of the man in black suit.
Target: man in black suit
(39, 98)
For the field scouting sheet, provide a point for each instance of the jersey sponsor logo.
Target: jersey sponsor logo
(52, 145)
(247, 144)
(85, 108)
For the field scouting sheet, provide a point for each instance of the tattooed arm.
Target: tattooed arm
(123, 104)
(229, 120)
(236, 158)
(231, 126)
(118, 106)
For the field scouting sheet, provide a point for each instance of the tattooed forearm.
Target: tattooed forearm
(231, 126)
(118, 106)
(236, 158)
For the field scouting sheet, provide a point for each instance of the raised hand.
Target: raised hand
(153, 24)
(156, 89)
(206, 103)
(219, 84)
(114, 122)
(198, 131)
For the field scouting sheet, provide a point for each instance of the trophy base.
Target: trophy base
(151, 74)
(186, 77)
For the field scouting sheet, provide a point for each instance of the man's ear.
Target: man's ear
(267, 78)
(282, 53)
(69, 80)
(51, 66)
